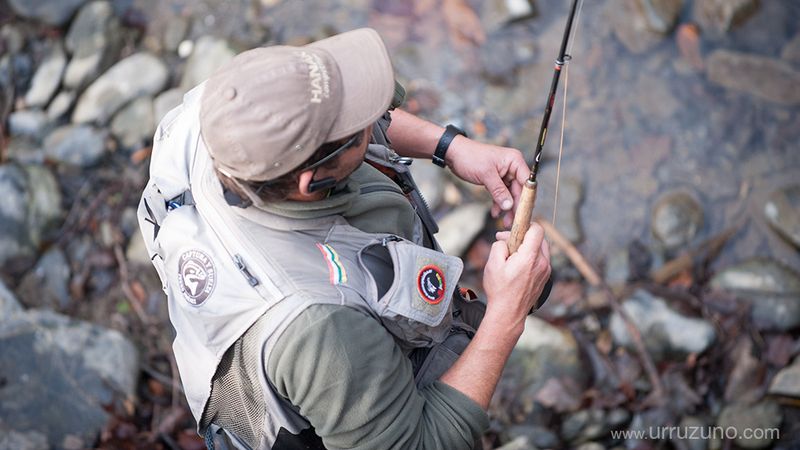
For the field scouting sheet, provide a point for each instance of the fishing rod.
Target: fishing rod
(522, 218)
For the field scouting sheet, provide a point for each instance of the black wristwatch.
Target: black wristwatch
(450, 132)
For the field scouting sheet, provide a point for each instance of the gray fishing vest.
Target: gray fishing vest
(223, 268)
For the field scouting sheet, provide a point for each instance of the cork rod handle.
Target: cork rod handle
(522, 219)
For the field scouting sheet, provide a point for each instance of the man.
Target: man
(310, 305)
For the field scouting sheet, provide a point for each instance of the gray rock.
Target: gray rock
(12, 37)
(93, 40)
(133, 125)
(763, 416)
(791, 51)
(79, 145)
(676, 219)
(498, 13)
(62, 102)
(539, 436)
(165, 102)
(787, 381)
(584, 426)
(631, 26)
(208, 55)
(460, 227)
(47, 77)
(8, 303)
(430, 179)
(766, 78)
(52, 12)
(661, 15)
(773, 290)
(618, 269)
(137, 75)
(782, 211)
(519, 443)
(174, 33)
(47, 285)
(15, 440)
(664, 331)
(16, 248)
(61, 375)
(30, 123)
(44, 202)
(719, 16)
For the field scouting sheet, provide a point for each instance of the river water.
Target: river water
(638, 125)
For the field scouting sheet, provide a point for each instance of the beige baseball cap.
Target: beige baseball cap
(269, 109)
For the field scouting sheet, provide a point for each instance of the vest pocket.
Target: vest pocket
(411, 288)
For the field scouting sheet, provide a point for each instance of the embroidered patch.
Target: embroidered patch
(431, 284)
(197, 276)
(337, 273)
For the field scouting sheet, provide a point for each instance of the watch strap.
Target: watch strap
(450, 133)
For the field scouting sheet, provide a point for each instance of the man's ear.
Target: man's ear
(303, 180)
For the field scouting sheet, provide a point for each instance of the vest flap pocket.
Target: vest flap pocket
(424, 282)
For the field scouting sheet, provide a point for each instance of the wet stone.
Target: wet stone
(30, 123)
(676, 219)
(165, 102)
(460, 227)
(782, 211)
(47, 285)
(52, 12)
(79, 145)
(765, 78)
(720, 16)
(47, 77)
(764, 416)
(137, 75)
(208, 55)
(133, 125)
(92, 41)
(771, 288)
(61, 375)
(665, 332)
(787, 381)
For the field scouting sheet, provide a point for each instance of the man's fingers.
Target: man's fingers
(545, 249)
(532, 241)
(498, 254)
(494, 184)
(502, 235)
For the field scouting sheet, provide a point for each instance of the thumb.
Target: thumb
(498, 254)
(499, 191)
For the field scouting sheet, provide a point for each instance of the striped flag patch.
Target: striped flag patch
(337, 273)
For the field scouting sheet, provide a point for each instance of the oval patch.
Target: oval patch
(197, 276)
(431, 284)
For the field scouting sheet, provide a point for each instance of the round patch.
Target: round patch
(430, 284)
(197, 276)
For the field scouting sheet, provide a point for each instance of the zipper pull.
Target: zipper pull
(385, 240)
(251, 280)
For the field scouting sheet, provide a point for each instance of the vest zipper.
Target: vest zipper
(239, 262)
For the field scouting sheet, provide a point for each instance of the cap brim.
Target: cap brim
(367, 79)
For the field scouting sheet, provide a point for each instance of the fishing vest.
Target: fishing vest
(222, 268)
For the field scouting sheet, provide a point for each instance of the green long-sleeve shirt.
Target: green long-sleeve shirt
(353, 383)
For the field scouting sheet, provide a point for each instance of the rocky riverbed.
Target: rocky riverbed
(682, 124)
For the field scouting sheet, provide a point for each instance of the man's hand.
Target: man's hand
(513, 283)
(502, 170)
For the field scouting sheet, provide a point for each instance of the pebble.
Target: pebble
(498, 13)
(44, 203)
(47, 285)
(51, 12)
(209, 53)
(92, 39)
(47, 77)
(772, 288)
(62, 102)
(787, 381)
(661, 15)
(30, 123)
(16, 248)
(761, 416)
(538, 436)
(519, 443)
(631, 26)
(174, 33)
(133, 125)
(54, 363)
(584, 426)
(782, 211)
(461, 226)
(719, 16)
(676, 219)
(137, 75)
(79, 145)
(165, 102)
(9, 304)
(765, 78)
(664, 331)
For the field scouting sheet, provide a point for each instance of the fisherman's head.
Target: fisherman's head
(275, 120)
